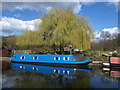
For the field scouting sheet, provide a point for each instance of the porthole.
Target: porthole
(56, 71)
(22, 57)
(56, 58)
(34, 68)
(35, 58)
(22, 67)
(66, 58)
(65, 72)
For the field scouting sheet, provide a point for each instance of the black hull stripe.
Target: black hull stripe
(56, 64)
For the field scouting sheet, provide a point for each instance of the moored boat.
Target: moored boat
(106, 64)
(113, 62)
(50, 59)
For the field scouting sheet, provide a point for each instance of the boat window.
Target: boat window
(56, 58)
(66, 72)
(13, 56)
(34, 68)
(56, 71)
(35, 57)
(22, 57)
(22, 67)
(66, 58)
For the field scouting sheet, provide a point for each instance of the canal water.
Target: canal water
(40, 76)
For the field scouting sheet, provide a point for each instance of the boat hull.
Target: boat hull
(56, 64)
(106, 64)
(113, 62)
(48, 59)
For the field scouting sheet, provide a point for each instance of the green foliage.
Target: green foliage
(29, 38)
(60, 28)
(9, 41)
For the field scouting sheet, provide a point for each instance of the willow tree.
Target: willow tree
(29, 39)
(62, 28)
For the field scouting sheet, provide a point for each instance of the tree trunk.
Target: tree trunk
(61, 49)
(54, 48)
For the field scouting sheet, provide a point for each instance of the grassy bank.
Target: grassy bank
(99, 56)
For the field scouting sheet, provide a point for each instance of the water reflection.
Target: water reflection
(114, 72)
(39, 76)
(106, 78)
(35, 76)
(49, 69)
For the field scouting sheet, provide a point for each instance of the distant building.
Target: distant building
(5, 52)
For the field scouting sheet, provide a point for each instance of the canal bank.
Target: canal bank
(5, 63)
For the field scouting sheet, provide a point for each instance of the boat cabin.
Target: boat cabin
(115, 61)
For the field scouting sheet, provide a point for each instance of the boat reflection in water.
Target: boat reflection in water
(48, 69)
(113, 71)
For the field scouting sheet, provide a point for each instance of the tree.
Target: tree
(60, 28)
(118, 39)
(9, 41)
(29, 39)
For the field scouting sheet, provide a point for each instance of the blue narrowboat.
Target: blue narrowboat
(48, 69)
(50, 59)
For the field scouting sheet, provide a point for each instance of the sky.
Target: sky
(19, 16)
